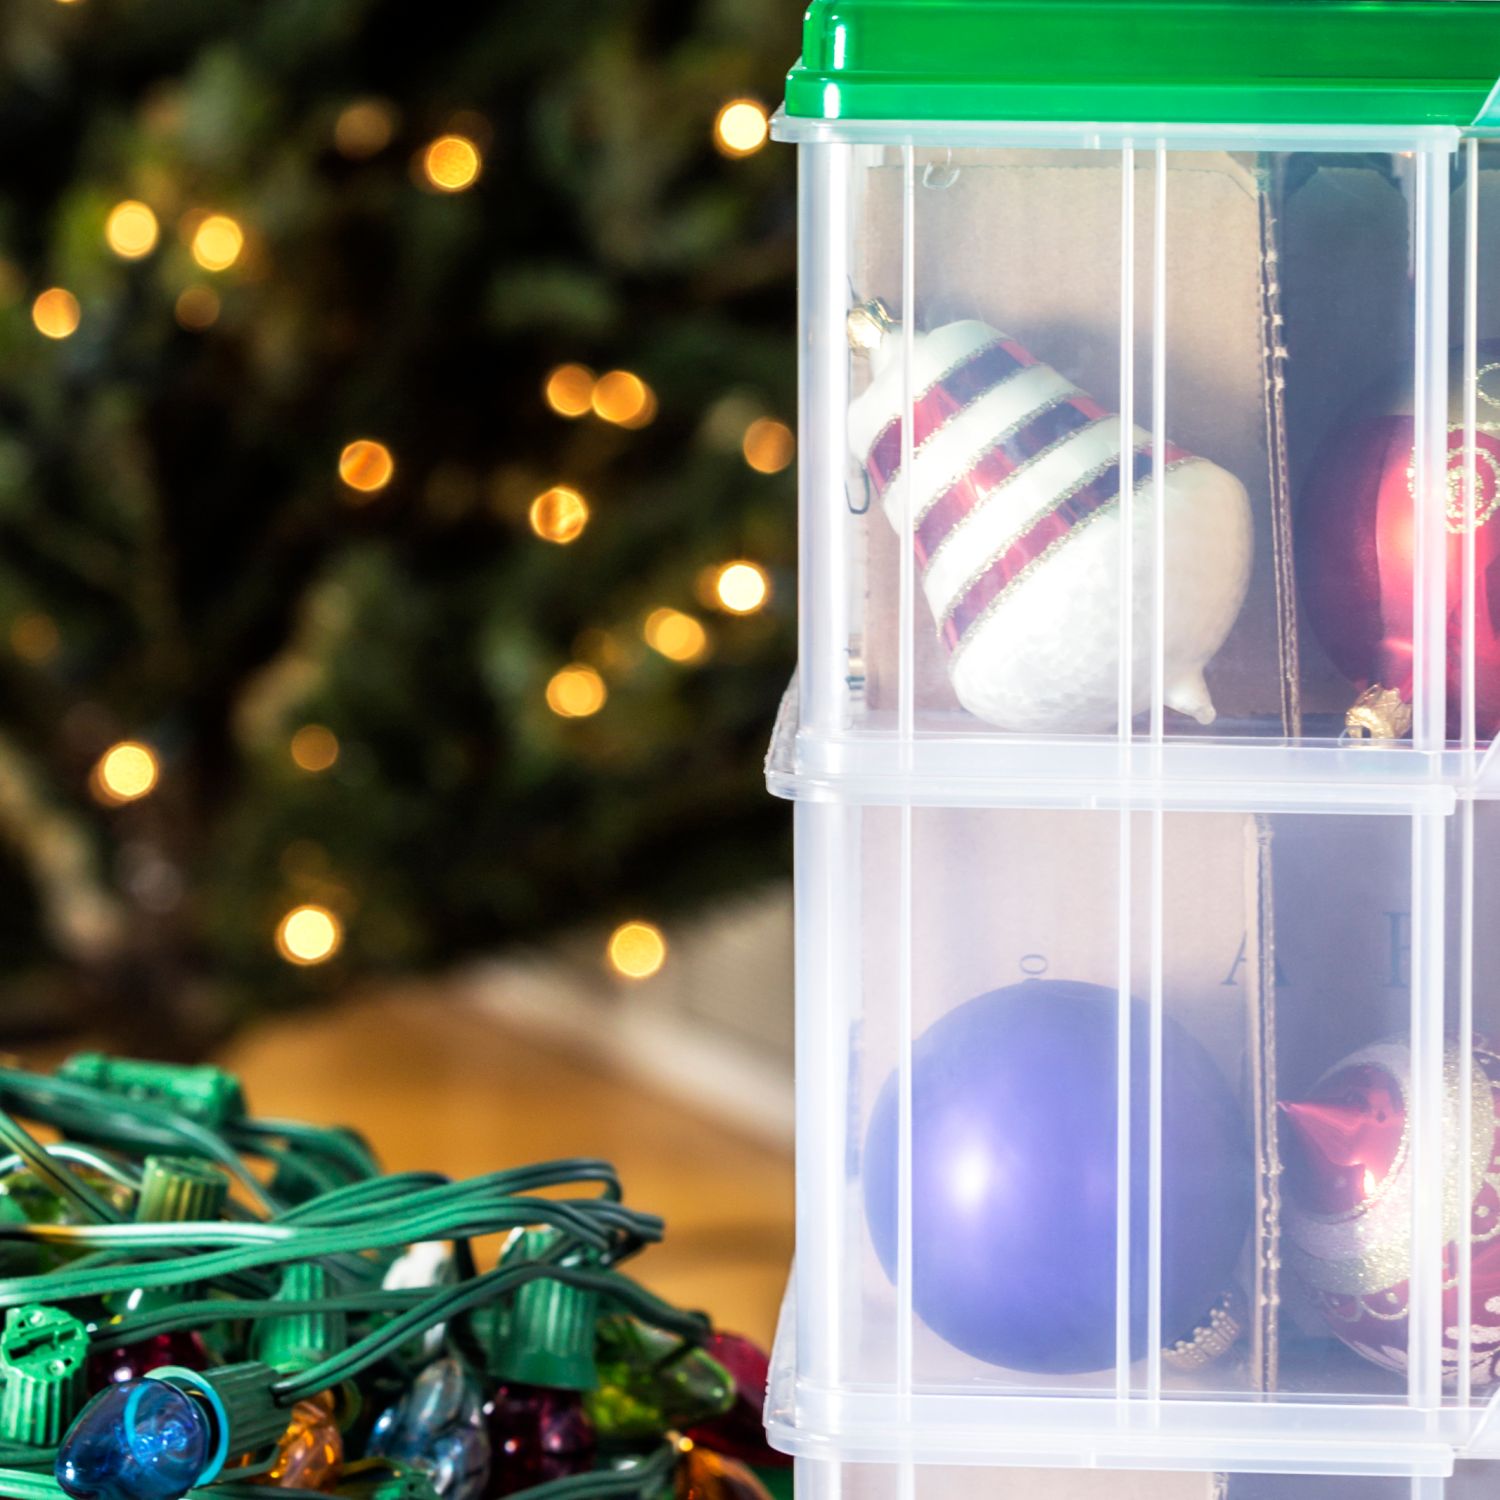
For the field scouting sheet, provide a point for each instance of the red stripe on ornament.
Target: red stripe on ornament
(1047, 532)
(976, 374)
(997, 465)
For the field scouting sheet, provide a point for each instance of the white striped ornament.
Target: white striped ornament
(1015, 485)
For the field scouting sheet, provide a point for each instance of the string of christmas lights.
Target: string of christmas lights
(197, 1301)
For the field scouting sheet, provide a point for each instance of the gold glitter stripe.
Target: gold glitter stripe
(1016, 473)
(972, 357)
(1082, 482)
(1108, 508)
(1010, 432)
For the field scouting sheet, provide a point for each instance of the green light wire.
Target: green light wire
(354, 1223)
(349, 1151)
(55, 1174)
(449, 1302)
(112, 1119)
(645, 1479)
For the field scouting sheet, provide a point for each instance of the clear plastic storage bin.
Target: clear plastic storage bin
(1144, 738)
(821, 1479)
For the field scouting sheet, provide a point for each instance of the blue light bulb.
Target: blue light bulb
(139, 1440)
(437, 1429)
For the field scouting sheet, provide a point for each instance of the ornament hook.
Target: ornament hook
(941, 174)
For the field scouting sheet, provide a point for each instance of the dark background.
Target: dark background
(181, 565)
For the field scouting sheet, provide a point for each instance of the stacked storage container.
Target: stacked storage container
(1144, 751)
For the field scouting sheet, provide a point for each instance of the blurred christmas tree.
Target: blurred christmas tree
(331, 577)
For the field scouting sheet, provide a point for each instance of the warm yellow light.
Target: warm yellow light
(366, 465)
(569, 390)
(576, 692)
(131, 229)
(637, 950)
(34, 638)
(623, 398)
(56, 313)
(559, 514)
(308, 935)
(363, 128)
(741, 128)
(768, 445)
(125, 772)
(452, 163)
(742, 587)
(676, 636)
(314, 747)
(198, 308)
(217, 242)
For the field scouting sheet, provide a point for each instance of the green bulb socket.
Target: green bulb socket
(545, 1336)
(298, 1341)
(42, 1355)
(390, 1484)
(180, 1189)
(209, 1096)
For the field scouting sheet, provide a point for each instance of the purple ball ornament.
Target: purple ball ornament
(1013, 1165)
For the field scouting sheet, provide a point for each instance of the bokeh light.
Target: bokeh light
(217, 242)
(624, 399)
(34, 637)
(569, 390)
(451, 163)
(197, 308)
(56, 313)
(309, 935)
(366, 465)
(742, 587)
(131, 230)
(768, 445)
(741, 128)
(126, 772)
(314, 748)
(576, 692)
(636, 950)
(677, 636)
(364, 128)
(559, 514)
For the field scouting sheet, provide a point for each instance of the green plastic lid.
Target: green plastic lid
(1216, 62)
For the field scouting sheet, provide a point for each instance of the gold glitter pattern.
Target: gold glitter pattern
(1022, 574)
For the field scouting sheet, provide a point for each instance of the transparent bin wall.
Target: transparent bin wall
(1269, 345)
(830, 1480)
(1276, 1200)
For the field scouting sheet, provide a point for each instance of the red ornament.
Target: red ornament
(536, 1435)
(1349, 1206)
(131, 1361)
(707, 1476)
(1356, 551)
(741, 1432)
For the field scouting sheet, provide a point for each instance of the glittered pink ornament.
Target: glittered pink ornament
(1349, 1193)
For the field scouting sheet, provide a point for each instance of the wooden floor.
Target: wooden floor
(435, 1084)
